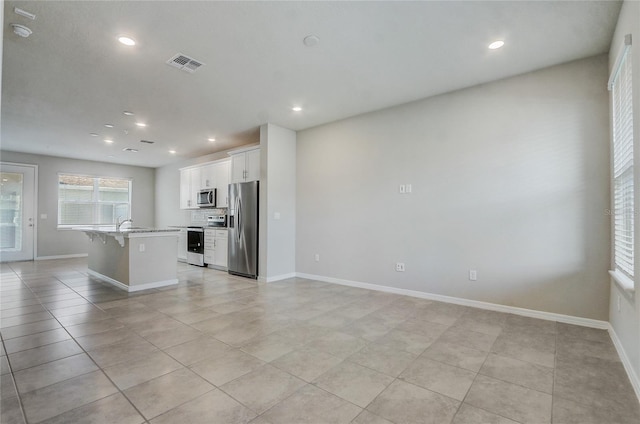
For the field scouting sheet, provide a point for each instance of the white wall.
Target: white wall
(509, 178)
(277, 243)
(54, 242)
(626, 321)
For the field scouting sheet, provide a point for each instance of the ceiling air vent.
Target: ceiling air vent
(147, 141)
(184, 63)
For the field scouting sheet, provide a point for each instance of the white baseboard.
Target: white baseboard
(136, 287)
(278, 277)
(633, 377)
(75, 255)
(550, 316)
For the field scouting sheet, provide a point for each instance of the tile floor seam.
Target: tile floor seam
(15, 386)
(99, 368)
(89, 292)
(475, 377)
(17, 393)
(555, 368)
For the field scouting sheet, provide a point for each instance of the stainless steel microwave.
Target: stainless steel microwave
(207, 198)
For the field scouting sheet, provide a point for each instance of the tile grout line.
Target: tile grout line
(92, 360)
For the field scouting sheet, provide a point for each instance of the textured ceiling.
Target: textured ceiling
(72, 76)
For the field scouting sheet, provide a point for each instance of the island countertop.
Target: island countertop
(111, 229)
(132, 258)
(104, 231)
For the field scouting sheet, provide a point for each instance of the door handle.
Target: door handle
(239, 218)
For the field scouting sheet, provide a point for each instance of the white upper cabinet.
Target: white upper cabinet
(221, 176)
(253, 165)
(207, 176)
(202, 177)
(245, 165)
(189, 187)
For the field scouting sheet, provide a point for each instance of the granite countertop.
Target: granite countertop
(111, 229)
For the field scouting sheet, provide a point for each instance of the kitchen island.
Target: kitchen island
(133, 259)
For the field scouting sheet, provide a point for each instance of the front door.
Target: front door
(17, 209)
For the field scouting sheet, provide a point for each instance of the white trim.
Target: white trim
(36, 214)
(633, 377)
(135, 287)
(280, 277)
(550, 316)
(624, 282)
(203, 164)
(615, 70)
(243, 149)
(75, 255)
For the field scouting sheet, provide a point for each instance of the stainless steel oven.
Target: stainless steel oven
(195, 246)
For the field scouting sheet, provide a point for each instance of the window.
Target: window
(623, 186)
(84, 200)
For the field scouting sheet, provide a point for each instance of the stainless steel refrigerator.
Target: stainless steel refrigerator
(243, 229)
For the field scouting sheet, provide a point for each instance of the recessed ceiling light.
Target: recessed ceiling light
(126, 112)
(173, 152)
(108, 125)
(93, 134)
(129, 149)
(296, 108)
(141, 124)
(496, 44)
(211, 139)
(106, 140)
(127, 41)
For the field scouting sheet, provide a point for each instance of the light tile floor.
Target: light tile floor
(221, 349)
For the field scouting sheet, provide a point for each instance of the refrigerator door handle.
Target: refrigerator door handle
(239, 215)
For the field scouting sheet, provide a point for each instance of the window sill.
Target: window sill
(624, 282)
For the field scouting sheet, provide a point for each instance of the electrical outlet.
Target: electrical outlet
(317, 257)
(473, 275)
(408, 188)
(400, 267)
(402, 189)
(142, 247)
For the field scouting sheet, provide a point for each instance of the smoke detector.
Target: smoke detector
(21, 30)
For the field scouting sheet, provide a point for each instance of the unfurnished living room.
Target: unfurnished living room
(319, 212)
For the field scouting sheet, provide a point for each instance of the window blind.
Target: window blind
(623, 184)
(84, 200)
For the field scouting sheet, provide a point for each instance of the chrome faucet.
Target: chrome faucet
(119, 224)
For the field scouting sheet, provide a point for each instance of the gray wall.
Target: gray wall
(509, 178)
(626, 320)
(277, 196)
(54, 242)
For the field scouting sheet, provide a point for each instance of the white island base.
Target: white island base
(134, 260)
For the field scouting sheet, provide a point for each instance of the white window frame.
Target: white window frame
(95, 201)
(622, 175)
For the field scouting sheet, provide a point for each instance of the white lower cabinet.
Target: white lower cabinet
(182, 245)
(222, 248)
(215, 248)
